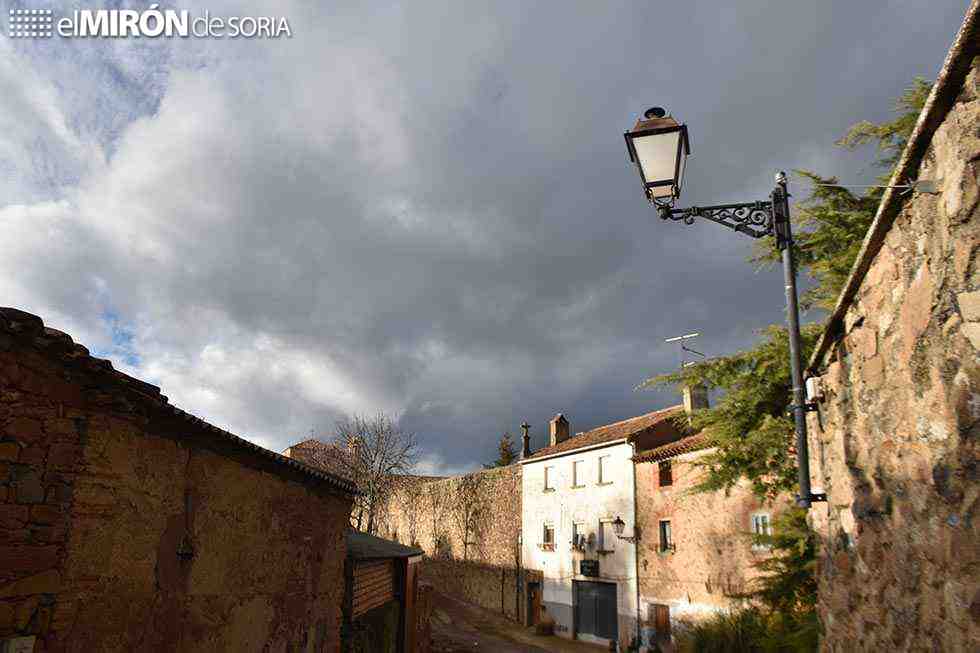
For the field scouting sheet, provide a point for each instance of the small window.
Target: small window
(548, 537)
(578, 473)
(607, 536)
(605, 470)
(761, 525)
(666, 538)
(549, 478)
(666, 473)
(578, 537)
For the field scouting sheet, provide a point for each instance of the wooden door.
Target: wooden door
(533, 603)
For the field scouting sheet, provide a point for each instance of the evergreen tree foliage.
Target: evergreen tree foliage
(506, 452)
(830, 225)
(788, 585)
(748, 425)
(892, 136)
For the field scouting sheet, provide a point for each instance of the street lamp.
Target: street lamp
(618, 526)
(650, 145)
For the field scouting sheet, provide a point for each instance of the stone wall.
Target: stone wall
(128, 525)
(714, 557)
(894, 442)
(426, 513)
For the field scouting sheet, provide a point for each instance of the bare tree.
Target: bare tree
(434, 498)
(469, 507)
(377, 450)
(409, 500)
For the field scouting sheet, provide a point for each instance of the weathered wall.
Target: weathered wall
(125, 530)
(493, 587)
(714, 556)
(426, 513)
(895, 440)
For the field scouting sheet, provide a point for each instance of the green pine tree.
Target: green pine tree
(506, 453)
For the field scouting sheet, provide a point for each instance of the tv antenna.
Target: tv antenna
(685, 348)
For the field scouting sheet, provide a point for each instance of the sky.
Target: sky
(424, 208)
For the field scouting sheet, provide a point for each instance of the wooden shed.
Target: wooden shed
(380, 595)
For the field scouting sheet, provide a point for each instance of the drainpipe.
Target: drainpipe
(636, 546)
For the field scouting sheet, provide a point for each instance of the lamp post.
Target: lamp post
(659, 147)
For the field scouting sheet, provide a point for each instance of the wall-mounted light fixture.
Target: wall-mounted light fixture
(618, 526)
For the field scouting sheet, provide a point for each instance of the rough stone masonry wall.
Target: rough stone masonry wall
(120, 533)
(426, 511)
(895, 440)
(714, 557)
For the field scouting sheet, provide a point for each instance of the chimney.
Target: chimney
(525, 441)
(695, 398)
(559, 429)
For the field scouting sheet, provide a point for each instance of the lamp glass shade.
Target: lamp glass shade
(659, 147)
(657, 156)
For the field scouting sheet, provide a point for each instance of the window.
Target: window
(549, 478)
(607, 536)
(761, 525)
(578, 473)
(578, 537)
(605, 470)
(666, 539)
(666, 473)
(548, 537)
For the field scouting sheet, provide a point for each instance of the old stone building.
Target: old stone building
(894, 440)
(574, 492)
(129, 525)
(694, 551)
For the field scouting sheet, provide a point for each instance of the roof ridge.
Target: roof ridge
(629, 419)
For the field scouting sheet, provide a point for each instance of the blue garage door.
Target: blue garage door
(595, 609)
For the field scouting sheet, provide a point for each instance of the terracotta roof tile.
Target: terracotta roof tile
(625, 429)
(684, 445)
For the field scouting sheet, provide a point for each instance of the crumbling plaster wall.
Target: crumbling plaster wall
(123, 531)
(894, 441)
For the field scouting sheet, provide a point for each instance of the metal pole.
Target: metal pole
(784, 240)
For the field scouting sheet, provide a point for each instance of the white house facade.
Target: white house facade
(574, 492)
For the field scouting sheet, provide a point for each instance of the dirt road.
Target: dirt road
(459, 627)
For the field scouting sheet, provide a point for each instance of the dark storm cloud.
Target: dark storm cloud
(427, 208)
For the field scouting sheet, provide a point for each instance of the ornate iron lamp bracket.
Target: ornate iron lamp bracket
(755, 219)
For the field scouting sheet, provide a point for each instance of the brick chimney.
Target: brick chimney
(559, 429)
(525, 441)
(695, 398)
